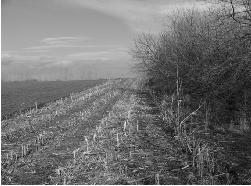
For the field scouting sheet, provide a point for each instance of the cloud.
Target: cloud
(46, 47)
(102, 63)
(34, 60)
(7, 58)
(82, 65)
(105, 55)
(100, 55)
(59, 42)
(64, 40)
(138, 14)
(6, 54)
(15, 58)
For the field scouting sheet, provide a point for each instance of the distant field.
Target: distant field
(18, 96)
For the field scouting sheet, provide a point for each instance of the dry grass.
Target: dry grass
(127, 141)
(32, 133)
(123, 148)
(205, 160)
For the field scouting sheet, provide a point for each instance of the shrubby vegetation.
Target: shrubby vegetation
(204, 56)
(198, 72)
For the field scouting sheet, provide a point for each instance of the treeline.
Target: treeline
(204, 56)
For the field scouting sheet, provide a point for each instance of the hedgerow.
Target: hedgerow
(203, 56)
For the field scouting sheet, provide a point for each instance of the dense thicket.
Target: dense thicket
(209, 54)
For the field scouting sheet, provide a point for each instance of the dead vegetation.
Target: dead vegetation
(198, 74)
(113, 134)
(174, 126)
(29, 140)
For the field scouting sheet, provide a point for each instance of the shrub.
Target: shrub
(207, 57)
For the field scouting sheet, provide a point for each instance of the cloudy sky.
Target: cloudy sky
(76, 39)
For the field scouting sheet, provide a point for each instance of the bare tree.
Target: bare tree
(211, 57)
(239, 11)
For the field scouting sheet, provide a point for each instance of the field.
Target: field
(113, 134)
(18, 96)
(98, 136)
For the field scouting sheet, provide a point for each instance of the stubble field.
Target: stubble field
(98, 136)
(20, 96)
(109, 134)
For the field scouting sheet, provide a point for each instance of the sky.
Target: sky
(77, 39)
